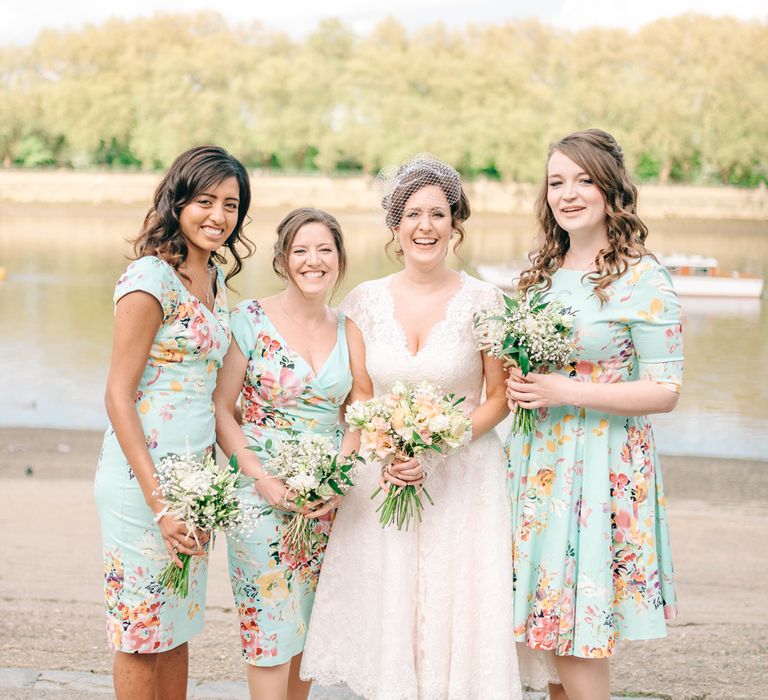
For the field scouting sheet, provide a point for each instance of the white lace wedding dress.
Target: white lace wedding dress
(424, 614)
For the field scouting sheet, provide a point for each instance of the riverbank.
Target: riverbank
(50, 583)
(359, 194)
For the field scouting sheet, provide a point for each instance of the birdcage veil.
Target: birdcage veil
(396, 184)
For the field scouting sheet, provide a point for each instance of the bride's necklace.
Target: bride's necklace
(298, 324)
(207, 290)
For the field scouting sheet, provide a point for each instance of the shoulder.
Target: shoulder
(361, 293)
(368, 287)
(152, 275)
(148, 266)
(647, 271)
(248, 310)
(480, 290)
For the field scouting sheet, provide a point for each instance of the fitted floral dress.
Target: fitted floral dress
(591, 547)
(281, 396)
(174, 405)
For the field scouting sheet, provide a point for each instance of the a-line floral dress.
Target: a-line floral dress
(591, 546)
(174, 405)
(281, 397)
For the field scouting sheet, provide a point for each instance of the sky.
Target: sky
(20, 22)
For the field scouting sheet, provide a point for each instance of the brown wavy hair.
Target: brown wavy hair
(191, 173)
(289, 227)
(417, 178)
(598, 153)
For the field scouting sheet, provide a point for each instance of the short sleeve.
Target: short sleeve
(153, 276)
(244, 325)
(353, 308)
(489, 296)
(656, 326)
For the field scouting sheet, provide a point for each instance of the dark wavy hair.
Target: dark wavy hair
(289, 227)
(417, 177)
(598, 153)
(193, 172)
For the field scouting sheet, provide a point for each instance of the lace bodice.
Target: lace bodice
(448, 357)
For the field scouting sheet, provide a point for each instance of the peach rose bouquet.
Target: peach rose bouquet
(408, 421)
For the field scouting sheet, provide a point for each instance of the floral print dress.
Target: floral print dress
(281, 396)
(174, 405)
(591, 549)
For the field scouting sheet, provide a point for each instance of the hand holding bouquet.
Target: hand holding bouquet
(203, 497)
(310, 467)
(406, 422)
(529, 332)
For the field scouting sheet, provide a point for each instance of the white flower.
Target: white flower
(302, 482)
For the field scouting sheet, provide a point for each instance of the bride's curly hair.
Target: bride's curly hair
(598, 153)
(191, 173)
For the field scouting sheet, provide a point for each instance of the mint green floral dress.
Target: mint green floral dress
(591, 551)
(174, 404)
(281, 396)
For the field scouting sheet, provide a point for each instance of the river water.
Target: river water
(61, 264)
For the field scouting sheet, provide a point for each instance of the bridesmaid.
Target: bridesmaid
(591, 543)
(171, 334)
(291, 364)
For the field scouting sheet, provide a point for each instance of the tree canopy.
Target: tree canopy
(685, 96)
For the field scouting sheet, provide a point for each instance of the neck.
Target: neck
(197, 260)
(585, 246)
(302, 306)
(427, 277)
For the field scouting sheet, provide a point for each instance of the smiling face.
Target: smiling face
(209, 218)
(425, 229)
(576, 203)
(313, 260)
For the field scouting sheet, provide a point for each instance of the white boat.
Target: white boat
(698, 276)
(692, 276)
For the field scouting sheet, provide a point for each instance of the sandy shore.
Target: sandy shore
(50, 577)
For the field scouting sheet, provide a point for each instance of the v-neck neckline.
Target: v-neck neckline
(316, 375)
(437, 324)
(216, 304)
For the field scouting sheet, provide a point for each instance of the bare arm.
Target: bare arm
(229, 435)
(362, 386)
(636, 398)
(137, 319)
(494, 409)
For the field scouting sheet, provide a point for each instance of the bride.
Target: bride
(422, 614)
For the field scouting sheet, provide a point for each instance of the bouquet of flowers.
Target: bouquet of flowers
(530, 332)
(203, 497)
(311, 467)
(408, 421)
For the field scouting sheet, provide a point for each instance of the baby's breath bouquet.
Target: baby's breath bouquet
(407, 421)
(203, 497)
(530, 332)
(311, 468)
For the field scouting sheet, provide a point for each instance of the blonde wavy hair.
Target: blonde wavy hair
(598, 153)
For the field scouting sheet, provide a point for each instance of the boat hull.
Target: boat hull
(685, 285)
